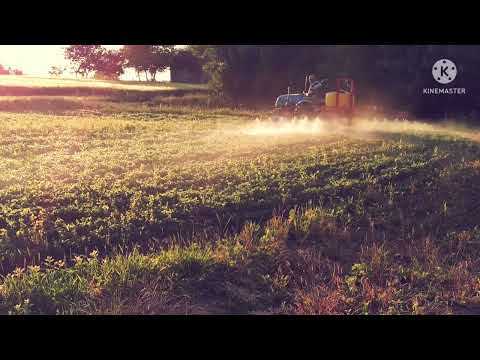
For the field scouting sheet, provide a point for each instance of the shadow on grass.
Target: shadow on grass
(119, 94)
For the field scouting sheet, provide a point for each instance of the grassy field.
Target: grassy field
(167, 208)
(119, 91)
(39, 82)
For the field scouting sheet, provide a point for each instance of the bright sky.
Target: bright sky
(36, 60)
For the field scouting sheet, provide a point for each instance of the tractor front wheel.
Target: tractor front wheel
(283, 113)
(304, 109)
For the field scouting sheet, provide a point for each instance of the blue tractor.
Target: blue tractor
(332, 101)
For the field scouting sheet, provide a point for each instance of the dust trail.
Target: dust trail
(360, 127)
(302, 126)
(411, 126)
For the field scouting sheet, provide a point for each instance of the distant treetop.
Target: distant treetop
(9, 71)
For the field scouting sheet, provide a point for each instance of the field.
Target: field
(148, 207)
(38, 82)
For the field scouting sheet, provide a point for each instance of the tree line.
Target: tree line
(9, 71)
(103, 63)
(393, 76)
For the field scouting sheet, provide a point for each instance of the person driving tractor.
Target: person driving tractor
(317, 88)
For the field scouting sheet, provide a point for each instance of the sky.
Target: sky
(36, 60)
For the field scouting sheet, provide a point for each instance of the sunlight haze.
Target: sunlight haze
(36, 60)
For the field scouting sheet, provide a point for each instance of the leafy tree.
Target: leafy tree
(84, 58)
(3, 71)
(185, 59)
(148, 59)
(138, 57)
(110, 65)
(56, 71)
(215, 64)
(10, 71)
(161, 58)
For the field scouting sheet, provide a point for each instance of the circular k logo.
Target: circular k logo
(444, 71)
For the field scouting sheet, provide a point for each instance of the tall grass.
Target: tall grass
(276, 268)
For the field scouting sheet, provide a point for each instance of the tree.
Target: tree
(138, 58)
(149, 59)
(3, 71)
(110, 65)
(232, 68)
(9, 71)
(105, 63)
(56, 71)
(185, 59)
(84, 58)
(161, 58)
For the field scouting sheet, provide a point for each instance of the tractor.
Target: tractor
(334, 102)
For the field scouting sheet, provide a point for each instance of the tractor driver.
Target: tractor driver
(317, 88)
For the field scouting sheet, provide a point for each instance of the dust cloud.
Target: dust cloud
(359, 127)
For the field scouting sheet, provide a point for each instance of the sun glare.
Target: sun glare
(36, 60)
(33, 60)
